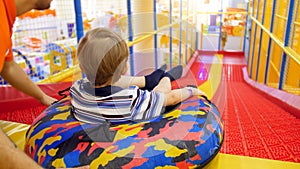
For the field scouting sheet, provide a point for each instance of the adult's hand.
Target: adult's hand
(47, 100)
(15, 76)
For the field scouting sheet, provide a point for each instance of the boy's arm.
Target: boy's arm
(15, 76)
(126, 81)
(179, 95)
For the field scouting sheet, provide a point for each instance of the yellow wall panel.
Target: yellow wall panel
(263, 57)
(268, 13)
(292, 69)
(295, 38)
(251, 46)
(265, 39)
(280, 19)
(254, 8)
(260, 10)
(275, 60)
(256, 53)
(293, 74)
(282, 8)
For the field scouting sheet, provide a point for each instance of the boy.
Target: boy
(103, 56)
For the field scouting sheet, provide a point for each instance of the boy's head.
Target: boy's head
(102, 56)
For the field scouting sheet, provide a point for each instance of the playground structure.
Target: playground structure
(268, 35)
(184, 23)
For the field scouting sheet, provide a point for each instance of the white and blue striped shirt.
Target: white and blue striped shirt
(114, 104)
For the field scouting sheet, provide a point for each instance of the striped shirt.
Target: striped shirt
(113, 104)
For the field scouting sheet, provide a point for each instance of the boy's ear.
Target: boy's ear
(81, 67)
(124, 71)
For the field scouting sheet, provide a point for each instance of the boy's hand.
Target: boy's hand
(196, 91)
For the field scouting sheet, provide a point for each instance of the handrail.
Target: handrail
(244, 13)
(58, 77)
(144, 37)
(287, 50)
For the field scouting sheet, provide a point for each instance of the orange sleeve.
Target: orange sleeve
(10, 56)
(7, 17)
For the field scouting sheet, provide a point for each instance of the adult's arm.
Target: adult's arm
(12, 157)
(15, 76)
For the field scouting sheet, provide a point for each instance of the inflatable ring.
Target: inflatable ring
(189, 136)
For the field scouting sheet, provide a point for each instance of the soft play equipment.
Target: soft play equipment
(33, 42)
(189, 136)
(62, 55)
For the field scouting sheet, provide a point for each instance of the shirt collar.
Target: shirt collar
(102, 91)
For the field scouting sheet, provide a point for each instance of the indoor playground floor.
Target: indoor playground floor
(258, 133)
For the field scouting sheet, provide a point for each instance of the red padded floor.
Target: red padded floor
(255, 126)
(18, 107)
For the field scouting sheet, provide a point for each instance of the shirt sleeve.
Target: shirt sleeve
(147, 104)
(9, 56)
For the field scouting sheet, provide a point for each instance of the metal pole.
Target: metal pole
(180, 32)
(221, 24)
(251, 22)
(254, 40)
(186, 31)
(155, 35)
(130, 38)
(79, 23)
(197, 34)
(246, 27)
(193, 28)
(170, 41)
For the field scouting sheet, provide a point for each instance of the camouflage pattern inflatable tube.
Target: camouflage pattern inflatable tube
(188, 137)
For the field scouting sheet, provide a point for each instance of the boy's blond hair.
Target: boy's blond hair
(102, 56)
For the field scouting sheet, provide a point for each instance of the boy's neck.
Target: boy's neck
(101, 86)
(108, 83)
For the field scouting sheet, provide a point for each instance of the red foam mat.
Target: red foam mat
(256, 126)
(18, 107)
